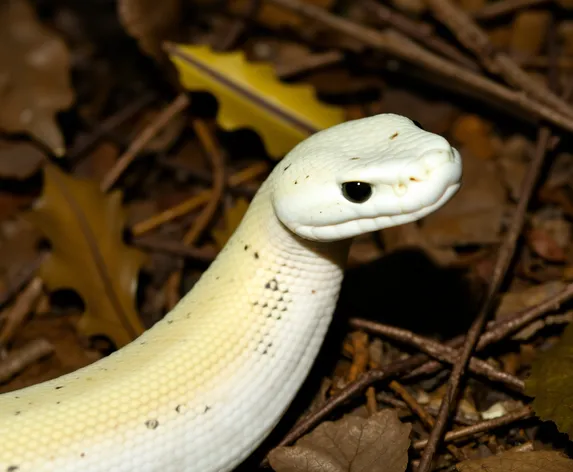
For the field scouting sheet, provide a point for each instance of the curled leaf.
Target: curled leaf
(535, 461)
(34, 75)
(85, 228)
(352, 444)
(250, 95)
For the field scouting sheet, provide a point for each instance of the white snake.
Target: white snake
(201, 389)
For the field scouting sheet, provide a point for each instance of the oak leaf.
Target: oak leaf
(85, 228)
(352, 444)
(250, 95)
(34, 75)
(535, 461)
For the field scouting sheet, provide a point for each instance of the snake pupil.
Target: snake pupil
(356, 192)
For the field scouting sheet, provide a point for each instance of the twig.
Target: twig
(196, 201)
(155, 243)
(475, 39)
(175, 107)
(498, 330)
(439, 351)
(400, 46)
(417, 30)
(504, 7)
(424, 416)
(85, 143)
(217, 161)
(503, 261)
(18, 311)
(24, 275)
(481, 427)
(19, 359)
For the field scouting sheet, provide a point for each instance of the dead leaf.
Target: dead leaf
(34, 75)
(534, 461)
(542, 244)
(233, 217)
(514, 302)
(250, 95)
(551, 384)
(85, 228)
(475, 215)
(352, 444)
(475, 134)
(19, 160)
(150, 22)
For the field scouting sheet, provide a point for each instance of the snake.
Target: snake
(201, 389)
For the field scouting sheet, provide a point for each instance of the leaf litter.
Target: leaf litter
(428, 275)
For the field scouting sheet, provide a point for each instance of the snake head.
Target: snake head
(362, 176)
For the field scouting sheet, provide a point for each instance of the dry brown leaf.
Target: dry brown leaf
(19, 160)
(352, 444)
(85, 228)
(34, 75)
(534, 461)
(150, 22)
(233, 217)
(475, 215)
(514, 302)
(544, 245)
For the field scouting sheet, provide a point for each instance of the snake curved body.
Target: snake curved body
(201, 389)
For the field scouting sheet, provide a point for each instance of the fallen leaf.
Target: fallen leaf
(19, 160)
(514, 302)
(352, 444)
(534, 461)
(34, 75)
(551, 383)
(85, 228)
(542, 244)
(475, 215)
(233, 217)
(475, 134)
(250, 95)
(150, 22)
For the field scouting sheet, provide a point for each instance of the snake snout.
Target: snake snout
(424, 166)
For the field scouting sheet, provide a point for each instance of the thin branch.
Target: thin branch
(175, 107)
(196, 201)
(20, 358)
(502, 264)
(439, 351)
(504, 7)
(395, 43)
(481, 427)
(419, 31)
(476, 39)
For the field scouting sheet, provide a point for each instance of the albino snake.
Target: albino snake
(201, 389)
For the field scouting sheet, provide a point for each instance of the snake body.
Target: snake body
(201, 389)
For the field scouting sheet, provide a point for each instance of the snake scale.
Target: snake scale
(200, 390)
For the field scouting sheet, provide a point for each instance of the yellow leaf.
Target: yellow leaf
(250, 95)
(233, 217)
(88, 255)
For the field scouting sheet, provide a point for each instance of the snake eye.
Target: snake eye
(417, 123)
(356, 192)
